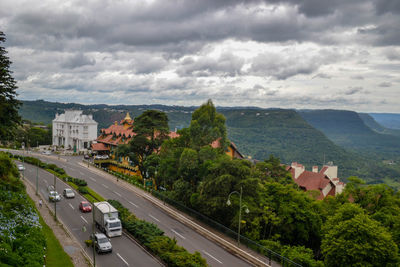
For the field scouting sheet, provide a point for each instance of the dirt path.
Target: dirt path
(68, 242)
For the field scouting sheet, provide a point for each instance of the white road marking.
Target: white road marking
(154, 217)
(123, 259)
(71, 206)
(211, 256)
(118, 194)
(104, 185)
(81, 173)
(92, 179)
(45, 181)
(133, 204)
(84, 219)
(181, 236)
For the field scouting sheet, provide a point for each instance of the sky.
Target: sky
(303, 54)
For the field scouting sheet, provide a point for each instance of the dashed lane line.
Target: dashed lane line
(178, 234)
(133, 204)
(122, 259)
(211, 256)
(72, 207)
(104, 186)
(118, 194)
(154, 217)
(84, 219)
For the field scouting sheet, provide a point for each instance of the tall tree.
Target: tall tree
(207, 125)
(9, 105)
(151, 129)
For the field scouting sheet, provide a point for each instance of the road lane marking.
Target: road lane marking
(118, 194)
(211, 256)
(84, 219)
(133, 204)
(81, 173)
(104, 185)
(154, 217)
(92, 179)
(123, 259)
(71, 206)
(181, 236)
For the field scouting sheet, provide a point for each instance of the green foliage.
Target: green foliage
(9, 117)
(21, 237)
(352, 238)
(94, 194)
(301, 255)
(83, 190)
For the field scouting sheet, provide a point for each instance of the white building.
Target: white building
(73, 130)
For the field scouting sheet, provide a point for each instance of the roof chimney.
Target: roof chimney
(314, 168)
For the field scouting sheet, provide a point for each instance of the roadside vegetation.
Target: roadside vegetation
(24, 237)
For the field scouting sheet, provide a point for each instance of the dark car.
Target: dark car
(85, 206)
(86, 156)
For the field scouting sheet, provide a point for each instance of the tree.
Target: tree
(352, 238)
(207, 126)
(151, 129)
(9, 105)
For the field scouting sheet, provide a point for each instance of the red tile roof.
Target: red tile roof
(99, 147)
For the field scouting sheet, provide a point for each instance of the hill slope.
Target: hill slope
(389, 120)
(348, 130)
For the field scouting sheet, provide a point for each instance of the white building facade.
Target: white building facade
(73, 130)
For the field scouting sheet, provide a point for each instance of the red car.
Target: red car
(85, 206)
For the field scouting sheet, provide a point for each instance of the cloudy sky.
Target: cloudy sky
(341, 54)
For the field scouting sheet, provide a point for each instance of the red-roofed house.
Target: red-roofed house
(325, 181)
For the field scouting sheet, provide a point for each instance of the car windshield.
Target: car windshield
(68, 191)
(85, 204)
(103, 240)
(115, 224)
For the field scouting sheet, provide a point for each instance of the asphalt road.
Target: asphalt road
(125, 252)
(143, 209)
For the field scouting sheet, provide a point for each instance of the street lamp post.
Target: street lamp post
(228, 202)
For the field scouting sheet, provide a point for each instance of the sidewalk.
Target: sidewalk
(68, 242)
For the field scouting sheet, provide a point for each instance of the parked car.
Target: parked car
(101, 243)
(105, 157)
(86, 156)
(20, 167)
(85, 206)
(46, 152)
(68, 193)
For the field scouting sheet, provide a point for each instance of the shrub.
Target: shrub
(83, 190)
(79, 182)
(95, 194)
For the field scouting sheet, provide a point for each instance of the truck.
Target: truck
(106, 219)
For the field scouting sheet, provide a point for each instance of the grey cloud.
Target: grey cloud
(353, 90)
(387, 6)
(78, 60)
(357, 77)
(392, 53)
(385, 84)
(226, 65)
(322, 76)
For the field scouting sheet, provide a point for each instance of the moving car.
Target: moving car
(46, 152)
(101, 243)
(68, 193)
(20, 167)
(54, 196)
(85, 206)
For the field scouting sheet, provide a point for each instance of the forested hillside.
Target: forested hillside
(348, 130)
(374, 125)
(259, 133)
(389, 120)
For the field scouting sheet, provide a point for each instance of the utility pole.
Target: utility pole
(55, 200)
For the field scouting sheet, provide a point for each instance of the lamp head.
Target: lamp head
(228, 202)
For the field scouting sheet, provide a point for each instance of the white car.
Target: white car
(102, 243)
(54, 196)
(20, 167)
(68, 193)
(46, 152)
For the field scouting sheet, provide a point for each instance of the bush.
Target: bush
(95, 194)
(79, 182)
(83, 190)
